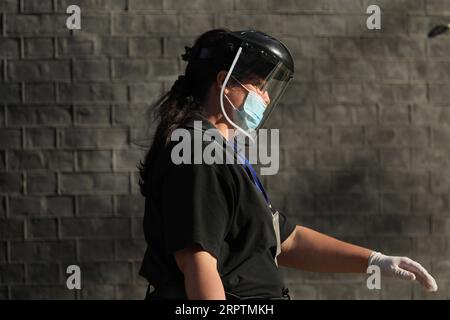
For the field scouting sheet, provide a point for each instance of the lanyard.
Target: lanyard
(253, 175)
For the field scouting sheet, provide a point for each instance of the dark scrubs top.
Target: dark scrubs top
(218, 207)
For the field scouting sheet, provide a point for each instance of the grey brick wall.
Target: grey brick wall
(364, 135)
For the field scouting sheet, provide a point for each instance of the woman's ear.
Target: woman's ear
(220, 79)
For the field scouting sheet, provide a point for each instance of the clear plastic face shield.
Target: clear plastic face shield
(251, 89)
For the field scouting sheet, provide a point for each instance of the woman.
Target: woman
(210, 227)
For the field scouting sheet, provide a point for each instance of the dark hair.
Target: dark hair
(212, 52)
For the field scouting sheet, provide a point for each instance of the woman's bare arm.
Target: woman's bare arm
(309, 250)
(201, 278)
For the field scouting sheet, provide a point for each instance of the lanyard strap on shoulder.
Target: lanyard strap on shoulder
(253, 175)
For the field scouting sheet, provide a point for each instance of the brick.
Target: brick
(42, 229)
(440, 226)
(440, 135)
(394, 24)
(433, 204)
(3, 208)
(128, 158)
(359, 204)
(11, 229)
(9, 48)
(395, 225)
(430, 246)
(440, 93)
(331, 158)
(89, 228)
(137, 228)
(9, 6)
(43, 273)
(130, 250)
(75, 46)
(99, 182)
(348, 136)
(438, 49)
(130, 205)
(39, 92)
(304, 6)
(146, 47)
(396, 204)
(354, 181)
(136, 69)
(43, 251)
(430, 115)
(403, 181)
(396, 47)
(400, 6)
(91, 70)
(40, 138)
(145, 5)
(144, 92)
(200, 5)
(340, 115)
(270, 23)
(41, 6)
(98, 5)
(3, 251)
(113, 46)
(94, 205)
(431, 70)
(36, 24)
(131, 292)
(394, 114)
(98, 292)
(92, 92)
(60, 206)
(24, 115)
(440, 183)
(346, 48)
(108, 137)
(145, 24)
(12, 274)
(96, 24)
(96, 250)
(306, 181)
(94, 160)
(29, 292)
(319, 136)
(132, 114)
(2, 161)
(10, 183)
(437, 7)
(395, 157)
(307, 47)
(429, 158)
(10, 93)
(41, 183)
(35, 206)
(397, 136)
(87, 115)
(40, 160)
(10, 138)
(106, 273)
(196, 24)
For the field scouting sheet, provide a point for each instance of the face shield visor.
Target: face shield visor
(252, 88)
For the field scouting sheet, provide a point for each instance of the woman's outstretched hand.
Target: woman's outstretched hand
(403, 268)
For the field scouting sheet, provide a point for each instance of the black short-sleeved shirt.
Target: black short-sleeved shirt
(218, 207)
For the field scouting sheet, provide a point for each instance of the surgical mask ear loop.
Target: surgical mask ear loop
(222, 90)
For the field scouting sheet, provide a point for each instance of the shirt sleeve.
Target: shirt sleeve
(197, 207)
(287, 226)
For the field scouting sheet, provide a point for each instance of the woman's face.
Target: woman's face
(237, 92)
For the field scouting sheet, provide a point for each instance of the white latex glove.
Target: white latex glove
(403, 268)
